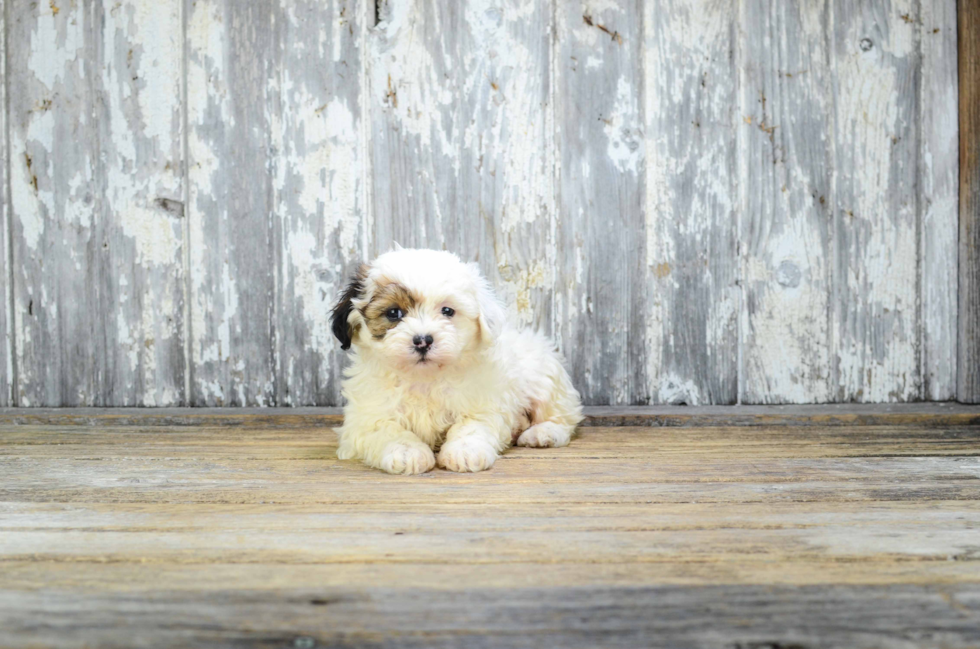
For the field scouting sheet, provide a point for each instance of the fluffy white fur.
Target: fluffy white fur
(482, 385)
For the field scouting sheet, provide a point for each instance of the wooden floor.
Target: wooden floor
(739, 528)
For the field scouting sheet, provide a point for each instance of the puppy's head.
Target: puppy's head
(418, 310)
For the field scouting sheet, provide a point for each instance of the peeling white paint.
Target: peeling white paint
(50, 66)
(878, 343)
(678, 391)
(516, 290)
(624, 137)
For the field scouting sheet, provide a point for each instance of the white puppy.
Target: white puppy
(435, 364)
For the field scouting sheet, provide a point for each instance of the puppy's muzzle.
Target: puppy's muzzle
(422, 344)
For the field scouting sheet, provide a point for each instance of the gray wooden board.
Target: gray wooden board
(938, 168)
(786, 215)
(876, 226)
(232, 107)
(691, 201)
(96, 186)
(319, 186)
(6, 324)
(413, 87)
(461, 140)
(56, 206)
(932, 414)
(506, 147)
(601, 293)
(677, 616)
(140, 146)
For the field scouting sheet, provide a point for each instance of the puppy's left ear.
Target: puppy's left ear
(341, 324)
(492, 315)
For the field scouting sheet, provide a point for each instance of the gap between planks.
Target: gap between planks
(918, 414)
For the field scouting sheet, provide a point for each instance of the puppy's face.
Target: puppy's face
(418, 310)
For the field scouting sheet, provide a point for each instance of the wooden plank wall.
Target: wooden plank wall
(703, 202)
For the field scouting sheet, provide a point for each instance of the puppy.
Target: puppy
(434, 364)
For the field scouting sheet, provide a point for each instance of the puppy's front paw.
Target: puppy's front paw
(407, 459)
(467, 454)
(546, 433)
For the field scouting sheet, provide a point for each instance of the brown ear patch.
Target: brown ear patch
(391, 295)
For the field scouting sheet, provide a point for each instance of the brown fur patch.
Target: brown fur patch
(386, 297)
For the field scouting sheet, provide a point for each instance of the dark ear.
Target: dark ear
(341, 312)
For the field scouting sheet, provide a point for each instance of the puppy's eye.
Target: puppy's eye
(448, 312)
(394, 314)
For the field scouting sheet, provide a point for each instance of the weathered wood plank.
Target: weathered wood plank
(691, 105)
(601, 297)
(317, 451)
(915, 414)
(968, 365)
(950, 538)
(876, 225)
(518, 478)
(786, 202)
(142, 163)
(490, 517)
(232, 111)
(97, 142)
(95, 155)
(319, 189)
(414, 93)
(505, 200)
(937, 195)
(319, 444)
(679, 616)
(6, 320)
(193, 577)
(58, 237)
(462, 143)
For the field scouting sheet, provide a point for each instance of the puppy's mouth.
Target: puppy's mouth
(425, 359)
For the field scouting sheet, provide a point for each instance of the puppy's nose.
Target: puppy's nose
(422, 343)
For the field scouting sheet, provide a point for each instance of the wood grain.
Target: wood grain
(921, 414)
(968, 367)
(95, 155)
(414, 103)
(651, 616)
(875, 212)
(691, 206)
(505, 201)
(602, 290)
(937, 197)
(255, 535)
(141, 150)
(319, 187)
(787, 169)
(57, 233)
(232, 108)
(461, 140)
(6, 323)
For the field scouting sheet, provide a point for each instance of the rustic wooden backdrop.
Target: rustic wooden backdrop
(703, 201)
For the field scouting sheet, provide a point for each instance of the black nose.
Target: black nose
(422, 343)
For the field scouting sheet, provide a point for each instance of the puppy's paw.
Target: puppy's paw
(407, 459)
(547, 433)
(467, 454)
